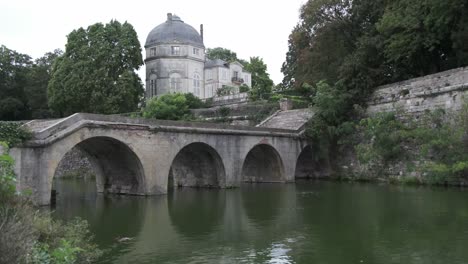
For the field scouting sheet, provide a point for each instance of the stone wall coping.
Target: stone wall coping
(423, 78)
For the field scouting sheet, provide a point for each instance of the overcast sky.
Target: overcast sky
(247, 27)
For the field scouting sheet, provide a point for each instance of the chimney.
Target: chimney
(169, 16)
(201, 31)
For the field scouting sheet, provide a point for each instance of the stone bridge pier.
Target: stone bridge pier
(144, 157)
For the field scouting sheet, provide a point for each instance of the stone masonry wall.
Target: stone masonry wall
(445, 90)
(74, 164)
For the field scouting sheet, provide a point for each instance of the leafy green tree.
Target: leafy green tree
(14, 69)
(260, 78)
(221, 53)
(420, 35)
(38, 79)
(168, 106)
(96, 74)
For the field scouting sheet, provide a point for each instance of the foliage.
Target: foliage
(23, 84)
(36, 90)
(63, 243)
(225, 90)
(224, 111)
(29, 236)
(355, 46)
(168, 106)
(13, 133)
(261, 82)
(194, 102)
(436, 144)
(14, 68)
(7, 175)
(331, 106)
(96, 74)
(243, 88)
(383, 138)
(222, 54)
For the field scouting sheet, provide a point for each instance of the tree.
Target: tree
(14, 68)
(261, 81)
(38, 79)
(344, 49)
(222, 54)
(420, 36)
(96, 74)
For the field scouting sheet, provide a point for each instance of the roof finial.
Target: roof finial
(169, 16)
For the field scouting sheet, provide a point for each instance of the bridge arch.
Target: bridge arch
(305, 164)
(197, 165)
(263, 164)
(117, 167)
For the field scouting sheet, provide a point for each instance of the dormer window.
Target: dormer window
(175, 50)
(153, 52)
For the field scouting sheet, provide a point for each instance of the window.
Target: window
(224, 75)
(175, 50)
(151, 88)
(175, 82)
(195, 51)
(153, 52)
(196, 84)
(235, 74)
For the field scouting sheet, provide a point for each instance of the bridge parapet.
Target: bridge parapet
(52, 130)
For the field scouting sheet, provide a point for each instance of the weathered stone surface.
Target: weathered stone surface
(445, 90)
(75, 164)
(292, 119)
(135, 156)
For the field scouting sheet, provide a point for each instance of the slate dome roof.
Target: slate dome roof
(173, 31)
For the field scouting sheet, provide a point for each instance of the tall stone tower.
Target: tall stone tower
(175, 58)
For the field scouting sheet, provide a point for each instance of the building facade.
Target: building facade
(175, 62)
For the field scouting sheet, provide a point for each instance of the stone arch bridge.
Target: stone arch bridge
(142, 157)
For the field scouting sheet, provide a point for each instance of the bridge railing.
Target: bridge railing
(81, 118)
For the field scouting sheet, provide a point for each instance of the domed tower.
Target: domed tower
(175, 57)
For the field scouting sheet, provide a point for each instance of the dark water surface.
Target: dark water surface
(307, 222)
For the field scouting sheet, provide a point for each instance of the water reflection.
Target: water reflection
(275, 223)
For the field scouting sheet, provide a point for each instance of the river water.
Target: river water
(306, 222)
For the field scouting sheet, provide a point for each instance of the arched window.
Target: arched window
(196, 84)
(175, 82)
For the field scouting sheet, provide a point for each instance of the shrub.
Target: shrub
(243, 88)
(13, 133)
(194, 102)
(28, 236)
(168, 107)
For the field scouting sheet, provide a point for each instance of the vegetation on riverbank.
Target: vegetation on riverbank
(343, 50)
(29, 235)
(432, 150)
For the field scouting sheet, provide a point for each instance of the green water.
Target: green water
(307, 222)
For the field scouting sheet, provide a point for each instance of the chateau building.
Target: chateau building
(175, 62)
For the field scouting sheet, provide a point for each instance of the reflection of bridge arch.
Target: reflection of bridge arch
(197, 165)
(263, 164)
(195, 212)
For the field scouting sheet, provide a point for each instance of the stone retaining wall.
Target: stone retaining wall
(446, 90)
